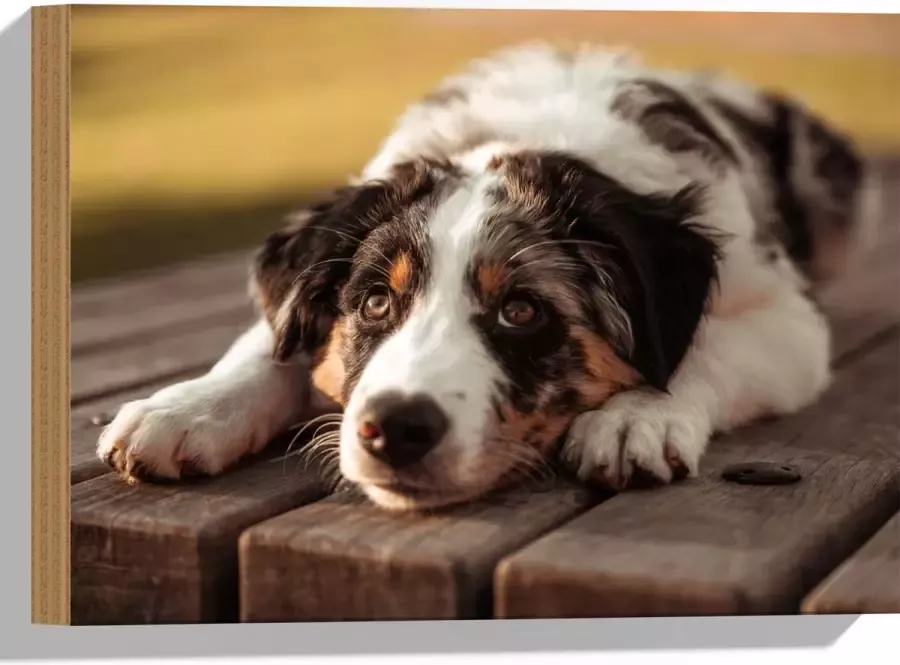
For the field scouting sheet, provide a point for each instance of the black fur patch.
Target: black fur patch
(813, 197)
(661, 267)
(309, 261)
(671, 120)
(790, 209)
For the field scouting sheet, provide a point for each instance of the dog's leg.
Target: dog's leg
(767, 359)
(206, 424)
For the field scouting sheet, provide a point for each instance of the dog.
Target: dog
(557, 254)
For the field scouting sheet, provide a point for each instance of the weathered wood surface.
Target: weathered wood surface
(168, 553)
(261, 544)
(113, 311)
(866, 583)
(343, 559)
(186, 282)
(165, 356)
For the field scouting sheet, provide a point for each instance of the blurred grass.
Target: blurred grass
(194, 127)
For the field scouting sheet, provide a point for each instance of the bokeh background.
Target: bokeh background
(195, 128)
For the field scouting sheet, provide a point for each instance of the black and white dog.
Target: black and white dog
(555, 253)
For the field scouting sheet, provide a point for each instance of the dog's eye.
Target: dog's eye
(377, 306)
(517, 311)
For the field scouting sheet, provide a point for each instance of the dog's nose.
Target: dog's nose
(399, 429)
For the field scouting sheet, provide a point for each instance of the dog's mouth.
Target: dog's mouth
(395, 494)
(399, 496)
(411, 491)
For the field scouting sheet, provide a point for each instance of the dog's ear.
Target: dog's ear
(297, 274)
(298, 268)
(652, 261)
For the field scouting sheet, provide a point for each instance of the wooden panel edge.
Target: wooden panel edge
(50, 292)
(827, 597)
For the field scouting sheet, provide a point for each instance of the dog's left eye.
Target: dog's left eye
(377, 306)
(517, 312)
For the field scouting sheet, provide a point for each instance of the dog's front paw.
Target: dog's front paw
(635, 434)
(188, 429)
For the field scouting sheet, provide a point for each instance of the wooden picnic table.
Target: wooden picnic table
(266, 542)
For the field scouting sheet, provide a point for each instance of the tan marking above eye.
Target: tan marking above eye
(401, 273)
(490, 279)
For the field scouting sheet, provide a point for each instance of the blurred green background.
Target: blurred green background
(194, 128)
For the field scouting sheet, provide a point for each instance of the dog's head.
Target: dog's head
(463, 320)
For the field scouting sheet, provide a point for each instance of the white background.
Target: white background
(872, 639)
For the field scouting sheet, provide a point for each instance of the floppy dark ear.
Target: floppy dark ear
(298, 272)
(662, 270)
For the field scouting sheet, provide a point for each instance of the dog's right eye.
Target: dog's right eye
(376, 306)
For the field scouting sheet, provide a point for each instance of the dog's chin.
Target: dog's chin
(398, 498)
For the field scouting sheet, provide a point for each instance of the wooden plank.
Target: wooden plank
(192, 280)
(154, 553)
(139, 324)
(712, 547)
(164, 301)
(867, 583)
(345, 559)
(83, 461)
(165, 356)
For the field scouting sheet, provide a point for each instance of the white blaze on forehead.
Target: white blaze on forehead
(437, 350)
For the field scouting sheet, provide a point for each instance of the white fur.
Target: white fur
(436, 351)
(214, 420)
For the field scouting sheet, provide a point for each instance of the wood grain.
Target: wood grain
(166, 356)
(183, 297)
(866, 583)
(711, 547)
(189, 281)
(345, 559)
(152, 553)
(50, 290)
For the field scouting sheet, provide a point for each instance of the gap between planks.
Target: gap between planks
(119, 369)
(163, 302)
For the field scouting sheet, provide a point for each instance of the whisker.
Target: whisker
(567, 241)
(338, 232)
(329, 420)
(322, 452)
(350, 239)
(563, 263)
(337, 259)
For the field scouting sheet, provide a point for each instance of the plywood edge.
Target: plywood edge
(867, 582)
(50, 291)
